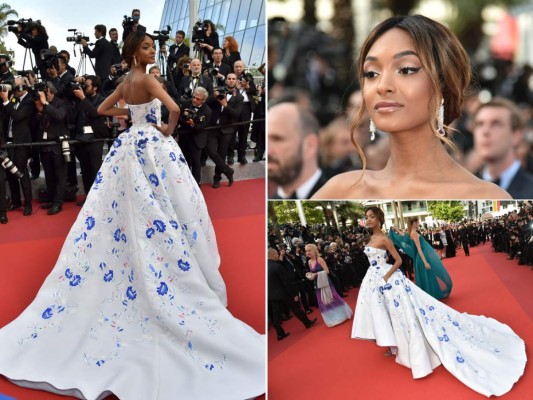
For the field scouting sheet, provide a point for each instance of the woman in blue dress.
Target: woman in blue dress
(430, 274)
(333, 309)
(135, 305)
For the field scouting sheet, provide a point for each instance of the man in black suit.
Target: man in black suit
(220, 70)
(102, 52)
(226, 110)
(54, 126)
(193, 137)
(5, 73)
(90, 126)
(498, 130)
(176, 51)
(20, 112)
(194, 80)
(133, 24)
(113, 39)
(293, 152)
(281, 294)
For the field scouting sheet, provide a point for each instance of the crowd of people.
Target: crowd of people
(290, 288)
(493, 139)
(56, 103)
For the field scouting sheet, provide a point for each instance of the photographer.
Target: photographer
(6, 77)
(102, 51)
(210, 41)
(115, 72)
(3, 195)
(181, 70)
(194, 80)
(246, 87)
(195, 117)
(60, 76)
(20, 112)
(89, 126)
(113, 39)
(33, 36)
(66, 55)
(53, 116)
(132, 24)
(226, 109)
(176, 51)
(218, 70)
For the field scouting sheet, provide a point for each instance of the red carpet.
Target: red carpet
(29, 247)
(325, 363)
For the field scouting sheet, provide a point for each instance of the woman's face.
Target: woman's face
(371, 219)
(225, 44)
(396, 88)
(146, 52)
(309, 253)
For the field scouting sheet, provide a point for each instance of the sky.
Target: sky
(59, 15)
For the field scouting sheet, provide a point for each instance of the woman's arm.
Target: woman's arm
(398, 260)
(108, 105)
(398, 231)
(155, 89)
(414, 235)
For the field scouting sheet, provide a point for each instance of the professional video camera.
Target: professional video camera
(119, 70)
(65, 147)
(24, 24)
(162, 36)
(49, 59)
(198, 32)
(78, 36)
(34, 90)
(128, 21)
(8, 165)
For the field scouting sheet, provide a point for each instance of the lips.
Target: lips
(387, 106)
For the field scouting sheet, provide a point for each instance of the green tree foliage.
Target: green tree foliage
(285, 212)
(450, 211)
(6, 13)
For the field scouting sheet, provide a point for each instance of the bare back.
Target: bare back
(136, 89)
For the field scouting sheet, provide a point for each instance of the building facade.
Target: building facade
(242, 19)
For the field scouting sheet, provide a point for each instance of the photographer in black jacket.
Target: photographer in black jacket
(89, 126)
(131, 24)
(195, 117)
(33, 36)
(53, 116)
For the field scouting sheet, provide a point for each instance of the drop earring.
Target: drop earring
(372, 130)
(134, 61)
(440, 119)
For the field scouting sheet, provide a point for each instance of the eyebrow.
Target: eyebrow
(396, 56)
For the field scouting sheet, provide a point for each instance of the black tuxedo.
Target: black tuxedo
(175, 52)
(60, 83)
(115, 59)
(36, 44)
(521, 186)
(321, 182)
(54, 123)
(187, 83)
(129, 29)
(248, 108)
(103, 54)
(218, 139)
(193, 139)
(223, 69)
(21, 121)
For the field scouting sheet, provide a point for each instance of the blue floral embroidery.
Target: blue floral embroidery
(396, 282)
(47, 313)
(154, 180)
(100, 362)
(456, 323)
(374, 263)
(75, 281)
(172, 156)
(103, 265)
(99, 178)
(460, 359)
(182, 159)
(445, 338)
(90, 223)
(132, 294)
(115, 169)
(162, 289)
(160, 225)
(422, 311)
(431, 308)
(184, 265)
(108, 276)
(396, 304)
(142, 143)
(150, 232)
(114, 204)
(174, 224)
(68, 273)
(116, 235)
(117, 143)
(151, 117)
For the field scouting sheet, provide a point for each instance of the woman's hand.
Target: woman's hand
(426, 264)
(387, 276)
(163, 129)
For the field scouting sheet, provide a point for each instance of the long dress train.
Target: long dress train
(435, 281)
(135, 304)
(481, 352)
(333, 308)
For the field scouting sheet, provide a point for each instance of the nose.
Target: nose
(385, 84)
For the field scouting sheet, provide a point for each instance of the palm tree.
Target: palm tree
(5, 12)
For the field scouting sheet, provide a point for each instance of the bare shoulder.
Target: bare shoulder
(476, 188)
(339, 186)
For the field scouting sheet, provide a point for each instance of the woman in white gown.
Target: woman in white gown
(135, 304)
(481, 352)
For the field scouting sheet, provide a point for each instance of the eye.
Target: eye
(370, 74)
(409, 70)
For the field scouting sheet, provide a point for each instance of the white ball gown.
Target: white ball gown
(481, 352)
(135, 304)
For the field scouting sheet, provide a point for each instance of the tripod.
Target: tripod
(82, 66)
(28, 51)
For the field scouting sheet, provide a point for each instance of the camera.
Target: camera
(23, 24)
(74, 85)
(8, 165)
(5, 87)
(246, 76)
(212, 72)
(187, 95)
(7, 64)
(198, 32)
(222, 92)
(186, 66)
(35, 89)
(114, 129)
(119, 70)
(26, 73)
(162, 36)
(191, 113)
(128, 21)
(49, 59)
(78, 36)
(65, 147)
